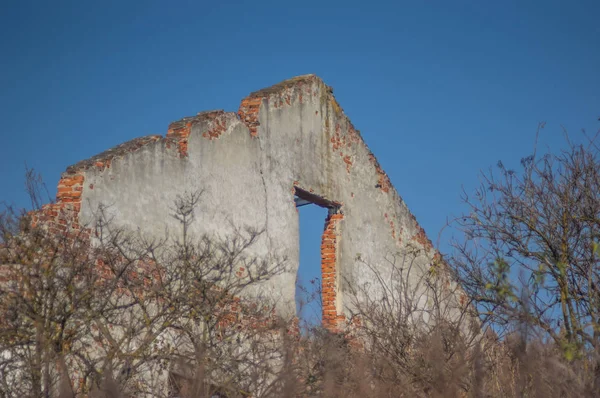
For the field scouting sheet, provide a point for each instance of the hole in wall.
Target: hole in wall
(308, 278)
(314, 213)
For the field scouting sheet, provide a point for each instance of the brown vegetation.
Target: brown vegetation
(120, 308)
(112, 314)
(529, 251)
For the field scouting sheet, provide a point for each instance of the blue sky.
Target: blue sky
(439, 89)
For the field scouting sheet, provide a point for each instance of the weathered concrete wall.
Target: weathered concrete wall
(293, 134)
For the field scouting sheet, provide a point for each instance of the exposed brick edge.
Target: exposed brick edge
(248, 113)
(250, 106)
(343, 143)
(179, 131)
(383, 181)
(218, 125)
(421, 237)
(63, 216)
(329, 256)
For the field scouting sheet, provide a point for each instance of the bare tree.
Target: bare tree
(412, 335)
(109, 309)
(44, 290)
(528, 250)
(415, 324)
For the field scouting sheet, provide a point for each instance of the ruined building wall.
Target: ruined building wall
(248, 165)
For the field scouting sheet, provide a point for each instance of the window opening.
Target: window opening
(317, 253)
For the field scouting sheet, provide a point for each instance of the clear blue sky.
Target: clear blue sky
(439, 89)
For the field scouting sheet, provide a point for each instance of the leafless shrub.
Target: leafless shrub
(527, 254)
(399, 347)
(115, 311)
(115, 314)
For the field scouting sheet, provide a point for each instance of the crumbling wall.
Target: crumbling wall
(248, 165)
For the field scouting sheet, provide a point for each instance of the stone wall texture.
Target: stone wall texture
(248, 164)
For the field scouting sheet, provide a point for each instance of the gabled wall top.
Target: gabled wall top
(287, 138)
